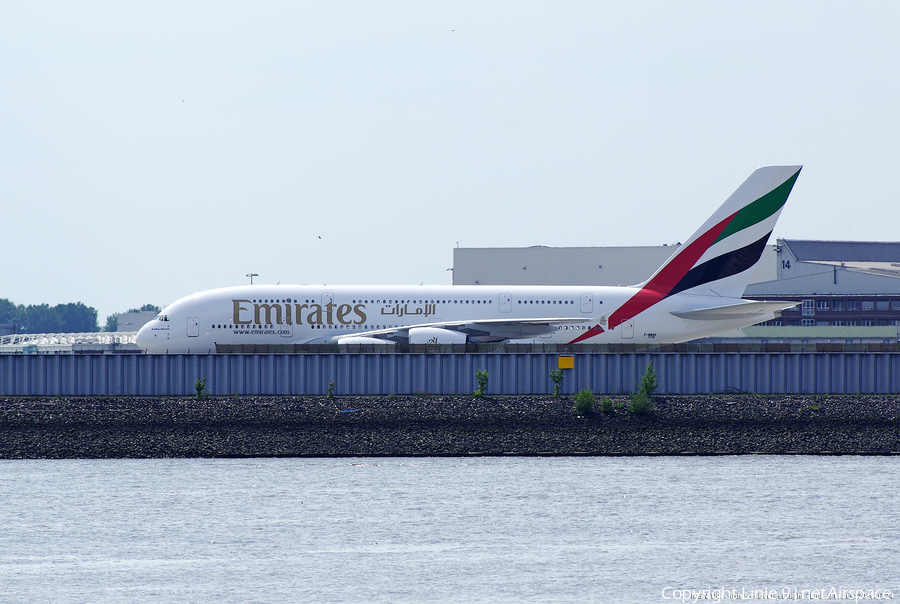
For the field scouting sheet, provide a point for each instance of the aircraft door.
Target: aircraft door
(627, 329)
(505, 303)
(193, 327)
(587, 303)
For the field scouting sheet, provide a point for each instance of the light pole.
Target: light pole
(251, 275)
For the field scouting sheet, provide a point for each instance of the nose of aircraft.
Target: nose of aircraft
(144, 337)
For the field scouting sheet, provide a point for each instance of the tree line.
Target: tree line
(74, 317)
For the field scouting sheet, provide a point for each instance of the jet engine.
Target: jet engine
(364, 340)
(435, 335)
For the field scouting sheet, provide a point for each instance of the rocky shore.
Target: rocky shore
(135, 427)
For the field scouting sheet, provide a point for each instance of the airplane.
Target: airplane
(696, 293)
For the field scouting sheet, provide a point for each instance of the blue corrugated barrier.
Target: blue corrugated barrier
(447, 373)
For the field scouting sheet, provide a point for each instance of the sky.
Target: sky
(152, 150)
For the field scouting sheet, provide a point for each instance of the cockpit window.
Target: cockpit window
(162, 317)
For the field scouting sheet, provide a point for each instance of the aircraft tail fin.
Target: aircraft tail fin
(716, 260)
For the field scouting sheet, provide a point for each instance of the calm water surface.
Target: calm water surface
(445, 529)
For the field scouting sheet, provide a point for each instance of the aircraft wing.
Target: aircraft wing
(742, 310)
(488, 330)
(480, 330)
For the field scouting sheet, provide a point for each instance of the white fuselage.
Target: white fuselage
(303, 314)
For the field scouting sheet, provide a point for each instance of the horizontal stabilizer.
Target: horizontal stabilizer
(730, 312)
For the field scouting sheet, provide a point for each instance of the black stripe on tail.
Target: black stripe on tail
(722, 266)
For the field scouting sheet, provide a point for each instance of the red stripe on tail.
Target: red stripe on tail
(669, 276)
(596, 330)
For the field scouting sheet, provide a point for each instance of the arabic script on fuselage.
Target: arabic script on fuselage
(399, 311)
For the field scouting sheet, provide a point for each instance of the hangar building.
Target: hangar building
(838, 283)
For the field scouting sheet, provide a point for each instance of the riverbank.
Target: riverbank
(140, 427)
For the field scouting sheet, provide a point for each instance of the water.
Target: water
(444, 529)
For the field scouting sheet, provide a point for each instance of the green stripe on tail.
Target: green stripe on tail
(760, 209)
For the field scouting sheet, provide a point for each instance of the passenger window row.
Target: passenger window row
(423, 301)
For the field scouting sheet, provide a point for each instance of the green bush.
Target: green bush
(557, 376)
(649, 382)
(200, 387)
(482, 378)
(584, 402)
(641, 402)
(606, 405)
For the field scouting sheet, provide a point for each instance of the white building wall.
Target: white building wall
(788, 267)
(573, 265)
(833, 282)
(557, 265)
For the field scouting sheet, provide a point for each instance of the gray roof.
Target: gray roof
(847, 251)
